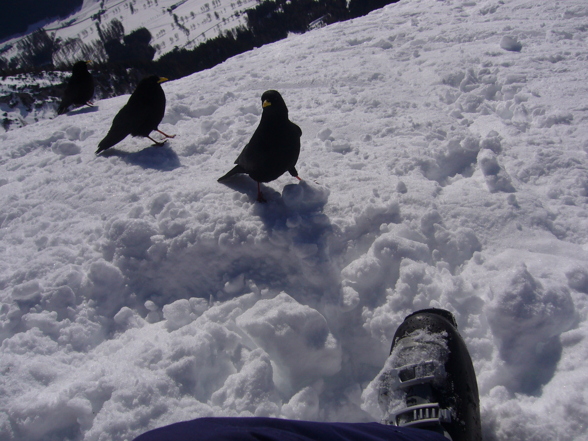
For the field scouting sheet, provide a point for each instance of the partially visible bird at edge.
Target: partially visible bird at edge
(274, 147)
(140, 116)
(79, 90)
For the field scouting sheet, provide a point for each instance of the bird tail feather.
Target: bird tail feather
(109, 140)
(234, 171)
(62, 108)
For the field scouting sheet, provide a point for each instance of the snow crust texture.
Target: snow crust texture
(444, 165)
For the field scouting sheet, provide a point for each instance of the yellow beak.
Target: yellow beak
(266, 103)
(162, 80)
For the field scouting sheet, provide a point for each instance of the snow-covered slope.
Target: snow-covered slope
(441, 168)
(172, 23)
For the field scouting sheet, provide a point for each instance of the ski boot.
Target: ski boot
(429, 381)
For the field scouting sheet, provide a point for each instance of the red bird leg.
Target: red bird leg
(89, 103)
(165, 134)
(158, 144)
(299, 178)
(260, 197)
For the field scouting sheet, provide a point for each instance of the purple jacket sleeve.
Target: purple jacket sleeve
(273, 429)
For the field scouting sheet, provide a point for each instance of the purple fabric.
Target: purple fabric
(273, 429)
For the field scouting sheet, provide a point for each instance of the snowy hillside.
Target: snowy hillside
(444, 163)
(172, 23)
(24, 98)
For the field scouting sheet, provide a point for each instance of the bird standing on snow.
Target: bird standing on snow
(140, 116)
(79, 89)
(274, 146)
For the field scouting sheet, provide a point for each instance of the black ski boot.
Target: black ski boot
(430, 382)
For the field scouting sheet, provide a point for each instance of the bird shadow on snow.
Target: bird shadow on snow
(161, 158)
(244, 184)
(300, 198)
(295, 221)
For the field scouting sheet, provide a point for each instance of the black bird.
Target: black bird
(79, 89)
(140, 115)
(274, 146)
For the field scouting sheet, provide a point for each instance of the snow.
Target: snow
(440, 169)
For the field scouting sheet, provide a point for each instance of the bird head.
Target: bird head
(273, 104)
(152, 80)
(80, 66)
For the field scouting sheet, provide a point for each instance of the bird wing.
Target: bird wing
(79, 90)
(148, 108)
(249, 155)
(272, 150)
(66, 100)
(121, 127)
(84, 89)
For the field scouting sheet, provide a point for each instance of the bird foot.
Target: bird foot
(157, 143)
(165, 134)
(260, 198)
